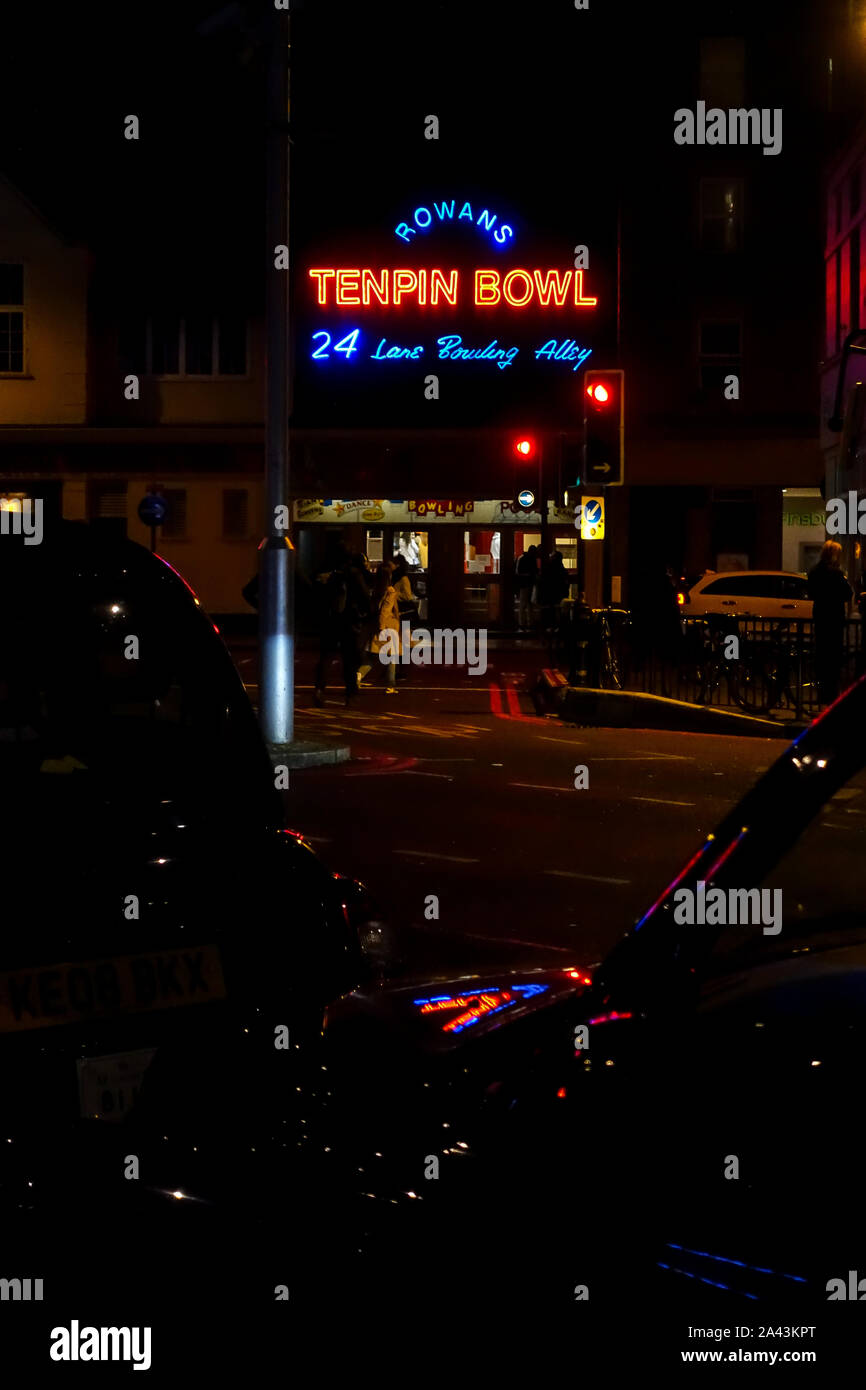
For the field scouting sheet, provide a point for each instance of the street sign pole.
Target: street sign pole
(276, 603)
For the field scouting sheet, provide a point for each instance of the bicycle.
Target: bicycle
(609, 672)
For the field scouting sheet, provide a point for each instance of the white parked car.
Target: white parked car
(760, 593)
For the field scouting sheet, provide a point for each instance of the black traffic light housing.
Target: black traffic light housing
(526, 453)
(603, 427)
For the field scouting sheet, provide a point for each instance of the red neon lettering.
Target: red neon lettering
(487, 287)
(447, 288)
(347, 280)
(551, 284)
(322, 276)
(407, 282)
(378, 287)
(510, 296)
(578, 291)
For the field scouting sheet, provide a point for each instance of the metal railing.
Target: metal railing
(763, 666)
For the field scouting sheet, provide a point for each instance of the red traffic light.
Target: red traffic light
(599, 393)
(524, 447)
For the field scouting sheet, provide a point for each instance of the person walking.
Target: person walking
(344, 600)
(387, 634)
(830, 593)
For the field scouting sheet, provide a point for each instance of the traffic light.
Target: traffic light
(527, 475)
(603, 426)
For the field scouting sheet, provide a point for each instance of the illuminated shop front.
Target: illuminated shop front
(461, 552)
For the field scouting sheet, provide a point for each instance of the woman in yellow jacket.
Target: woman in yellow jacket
(387, 636)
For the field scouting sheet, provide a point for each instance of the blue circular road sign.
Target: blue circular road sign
(526, 498)
(152, 509)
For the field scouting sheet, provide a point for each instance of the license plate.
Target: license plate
(108, 1086)
(77, 991)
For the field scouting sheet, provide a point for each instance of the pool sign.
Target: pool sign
(591, 514)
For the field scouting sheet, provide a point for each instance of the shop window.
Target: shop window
(236, 508)
(412, 545)
(481, 552)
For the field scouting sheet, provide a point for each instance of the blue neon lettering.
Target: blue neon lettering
(321, 351)
(429, 217)
(450, 348)
(394, 352)
(567, 351)
(465, 211)
(405, 231)
(485, 220)
(502, 235)
(440, 210)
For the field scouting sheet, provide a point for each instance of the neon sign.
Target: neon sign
(423, 219)
(343, 287)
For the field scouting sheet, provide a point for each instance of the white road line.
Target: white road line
(660, 801)
(427, 854)
(591, 878)
(538, 787)
(411, 772)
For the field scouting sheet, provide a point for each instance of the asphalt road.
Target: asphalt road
(461, 792)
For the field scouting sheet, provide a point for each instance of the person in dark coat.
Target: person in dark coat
(527, 571)
(830, 593)
(345, 609)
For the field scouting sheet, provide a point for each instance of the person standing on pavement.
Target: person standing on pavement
(387, 636)
(830, 593)
(526, 570)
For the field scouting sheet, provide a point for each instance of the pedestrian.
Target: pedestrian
(387, 637)
(830, 593)
(406, 600)
(526, 571)
(345, 600)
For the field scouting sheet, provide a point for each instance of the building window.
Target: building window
(720, 356)
(236, 507)
(722, 72)
(11, 318)
(721, 214)
(184, 345)
(174, 526)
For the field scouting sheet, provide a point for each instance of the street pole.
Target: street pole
(276, 584)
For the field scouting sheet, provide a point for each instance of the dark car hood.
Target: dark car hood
(441, 1015)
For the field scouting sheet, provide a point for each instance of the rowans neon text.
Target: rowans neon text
(423, 218)
(391, 287)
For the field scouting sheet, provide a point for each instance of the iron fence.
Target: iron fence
(763, 666)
